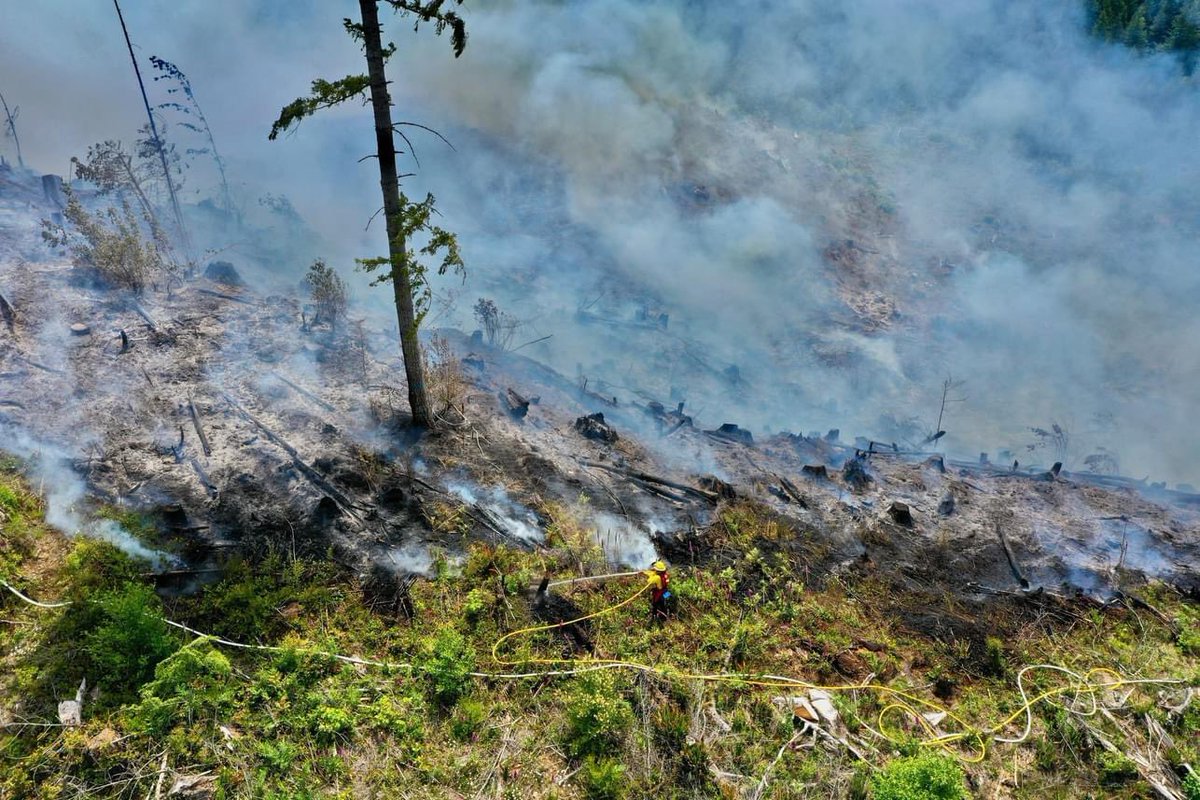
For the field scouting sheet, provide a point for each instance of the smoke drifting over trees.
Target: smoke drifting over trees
(846, 204)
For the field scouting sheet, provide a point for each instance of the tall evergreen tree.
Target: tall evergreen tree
(405, 219)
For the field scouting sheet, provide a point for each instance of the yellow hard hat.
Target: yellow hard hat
(660, 566)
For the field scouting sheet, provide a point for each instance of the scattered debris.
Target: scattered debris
(306, 393)
(643, 478)
(70, 712)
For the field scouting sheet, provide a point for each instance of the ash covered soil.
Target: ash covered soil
(240, 427)
(223, 415)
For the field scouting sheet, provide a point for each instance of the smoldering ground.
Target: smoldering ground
(846, 204)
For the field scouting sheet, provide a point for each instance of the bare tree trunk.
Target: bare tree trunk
(392, 208)
(158, 142)
(12, 127)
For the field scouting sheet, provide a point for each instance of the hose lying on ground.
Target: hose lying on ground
(1088, 685)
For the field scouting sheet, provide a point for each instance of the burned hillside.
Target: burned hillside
(224, 411)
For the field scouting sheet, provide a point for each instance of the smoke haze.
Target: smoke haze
(845, 203)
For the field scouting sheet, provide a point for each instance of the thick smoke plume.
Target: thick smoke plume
(835, 206)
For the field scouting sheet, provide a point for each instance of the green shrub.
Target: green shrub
(995, 661)
(190, 683)
(1189, 635)
(130, 638)
(330, 723)
(921, 777)
(401, 718)
(94, 566)
(1191, 786)
(449, 662)
(468, 718)
(597, 717)
(1115, 769)
(277, 755)
(602, 779)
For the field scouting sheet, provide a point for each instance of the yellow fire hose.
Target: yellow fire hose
(1086, 685)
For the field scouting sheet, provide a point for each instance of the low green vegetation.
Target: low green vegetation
(291, 720)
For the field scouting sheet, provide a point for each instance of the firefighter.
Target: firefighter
(660, 592)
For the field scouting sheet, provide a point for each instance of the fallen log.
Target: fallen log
(306, 393)
(643, 477)
(790, 491)
(199, 428)
(494, 524)
(209, 486)
(39, 365)
(514, 403)
(145, 315)
(226, 296)
(313, 476)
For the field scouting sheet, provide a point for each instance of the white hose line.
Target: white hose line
(567, 581)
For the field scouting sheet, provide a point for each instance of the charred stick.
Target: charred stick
(204, 476)
(39, 365)
(1012, 562)
(313, 476)
(145, 315)
(790, 489)
(711, 497)
(199, 429)
(306, 393)
(225, 296)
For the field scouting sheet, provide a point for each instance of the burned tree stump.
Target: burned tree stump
(855, 473)
(554, 610)
(711, 483)
(947, 505)
(389, 592)
(80, 329)
(733, 433)
(516, 405)
(594, 427)
(815, 471)
(937, 463)
(900, 513)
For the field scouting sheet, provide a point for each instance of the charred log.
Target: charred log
(516, 405)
